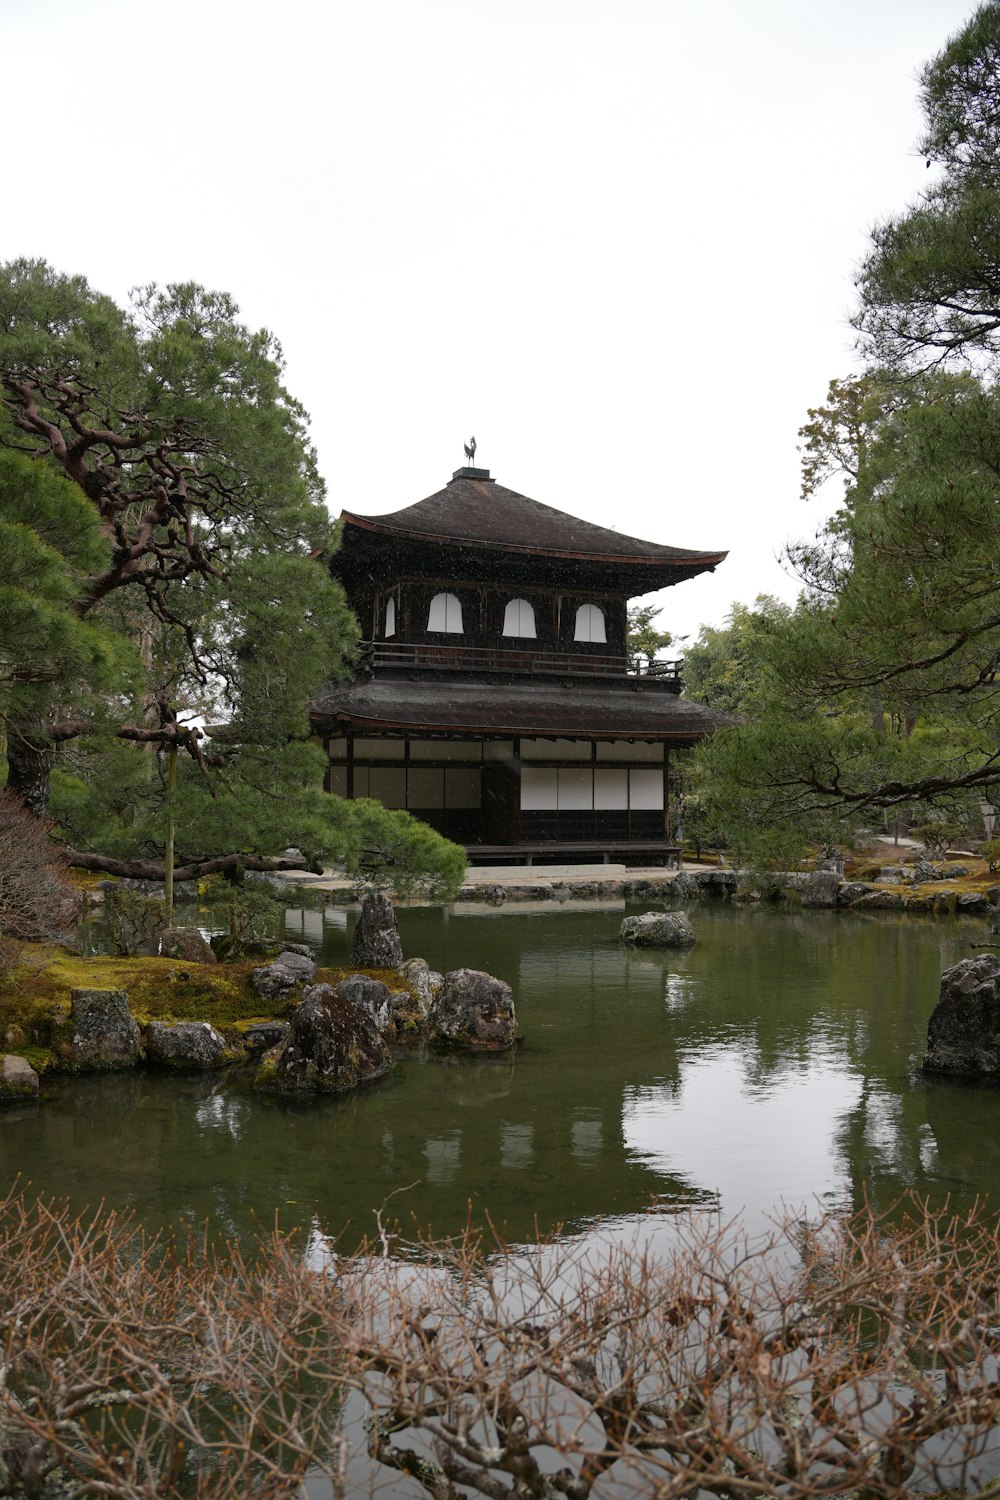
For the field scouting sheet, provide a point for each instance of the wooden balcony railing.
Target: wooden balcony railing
(530, 661)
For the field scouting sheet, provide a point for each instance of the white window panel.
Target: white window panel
(338, 749)
(387, 786)
(519, 619)
(445, 614)
(610, 790)
(622, 750)
(498, 750)
(361, 781)
(390, 618)
(462, 788)
(539, 790)
(576, 790)
(555, 750)
(645, 791)
(425, 788)
(590, 625)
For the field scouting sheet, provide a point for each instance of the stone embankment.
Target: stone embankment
(897, 888)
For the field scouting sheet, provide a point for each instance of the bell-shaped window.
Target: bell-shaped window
(445, 614)
(519, 619)
(590, 625)
(390, 617)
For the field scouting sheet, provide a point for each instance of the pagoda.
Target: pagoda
(493, 695)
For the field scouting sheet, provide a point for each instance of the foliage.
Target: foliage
(723, 668)
(394, 850)
(168, 426)
(253, 915)
(36, 897)
(930, 288)
(50, 541)
(851, 1356)
(644, 641)
(134, 921)
(170, 422)
(990, 851)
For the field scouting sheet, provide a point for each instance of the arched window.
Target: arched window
(390, 617)
(445, 614)
(519, 619)
(590, 625)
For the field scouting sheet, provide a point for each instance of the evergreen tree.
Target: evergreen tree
(170, 423)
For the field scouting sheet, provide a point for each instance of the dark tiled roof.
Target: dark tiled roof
(385, 703)
(482, 511)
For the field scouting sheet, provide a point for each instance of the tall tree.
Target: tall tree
(930, 287)
(170, 422)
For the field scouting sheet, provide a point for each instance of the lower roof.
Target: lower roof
(387, 704)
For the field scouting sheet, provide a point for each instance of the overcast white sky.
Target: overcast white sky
(615, 239)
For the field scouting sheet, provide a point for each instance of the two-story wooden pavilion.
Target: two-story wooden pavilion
(494, 697)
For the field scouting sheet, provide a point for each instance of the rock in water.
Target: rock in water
(473, 1010)
(189, 1044)
(376, 942)
(331, 1046)
(658, 929)
(369, 995)
(105, 1036)
(820, 888)
(186, 943)
(418, 973)
(18, 1079)
(963, 1034)
(286, 973)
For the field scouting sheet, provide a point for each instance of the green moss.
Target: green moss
(159, 989)
(40, 1058)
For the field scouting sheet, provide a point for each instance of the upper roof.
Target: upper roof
(473, 510)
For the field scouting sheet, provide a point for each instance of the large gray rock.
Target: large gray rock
(658, 929)
(684, 887)
(189, 1044)
(963, 1034)
(820, 888)
(277, 979)
(106, 1038)
(422, 978)
(18, 1079)
(369, 995)
(851, 891)
(376, 944)
(473, 1010)
(331, 1046)
(263, 1035)
(187, 944)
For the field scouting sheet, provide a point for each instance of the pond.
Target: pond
(775, 1062)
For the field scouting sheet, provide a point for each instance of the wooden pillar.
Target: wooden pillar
(350, 768)
(666, 793)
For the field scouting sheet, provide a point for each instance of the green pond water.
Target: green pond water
(776, 1062)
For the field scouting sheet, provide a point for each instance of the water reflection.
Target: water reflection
(775, 1061)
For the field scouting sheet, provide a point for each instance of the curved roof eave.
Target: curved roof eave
(681, 560)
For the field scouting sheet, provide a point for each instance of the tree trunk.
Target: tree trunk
(155, 869)
(30, 754)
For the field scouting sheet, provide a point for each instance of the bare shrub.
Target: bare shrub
(36, 897)
(131, 1369)
(855, 1357)
(852, 1357)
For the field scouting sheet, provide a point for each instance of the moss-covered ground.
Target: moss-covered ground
(158, 989)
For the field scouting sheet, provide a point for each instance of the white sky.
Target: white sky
(615, 239)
